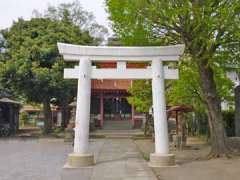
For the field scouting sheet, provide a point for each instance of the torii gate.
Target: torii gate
(85, 72)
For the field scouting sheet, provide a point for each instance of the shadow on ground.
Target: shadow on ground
(190, 167)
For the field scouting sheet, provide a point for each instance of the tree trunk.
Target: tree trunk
(47, 116)
(237, 111)
(65, 114)
(148, 129)
(213, 102)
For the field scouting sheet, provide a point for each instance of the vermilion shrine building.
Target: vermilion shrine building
(109, 100)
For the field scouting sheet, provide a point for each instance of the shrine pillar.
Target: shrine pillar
(161, 157)
(80, 156)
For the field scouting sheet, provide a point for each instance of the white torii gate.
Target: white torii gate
(85, 72)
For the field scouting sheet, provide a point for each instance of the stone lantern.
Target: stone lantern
(69, 132)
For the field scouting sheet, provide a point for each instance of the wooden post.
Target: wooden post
(101, 109)
(133, 120)
(177, 124)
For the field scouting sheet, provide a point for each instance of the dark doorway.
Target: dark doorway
(117, 108)
(4, 114)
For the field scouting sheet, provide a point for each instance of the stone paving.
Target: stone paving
(43, 159)
(119, 159)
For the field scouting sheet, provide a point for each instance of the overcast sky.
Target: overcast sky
(12, 9)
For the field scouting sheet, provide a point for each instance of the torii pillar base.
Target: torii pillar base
(162, 160)
(78, 167)
(76, 160)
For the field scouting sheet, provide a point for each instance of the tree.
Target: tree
(32, 66)
(206, 28)
(234, 55)
(142, 98)
(74, 13)
(64, 93)
(187, 90)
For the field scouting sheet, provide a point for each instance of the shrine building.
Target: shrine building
(109, 104)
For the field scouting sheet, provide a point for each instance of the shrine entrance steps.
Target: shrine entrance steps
(119, 134)
(117, 125)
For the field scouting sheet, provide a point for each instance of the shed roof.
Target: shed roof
(7, 100)
(182, 108)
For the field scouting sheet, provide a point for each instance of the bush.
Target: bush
(197, 123)
(228, 118)
(23, 117)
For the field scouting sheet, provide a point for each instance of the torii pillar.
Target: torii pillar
(80, 156)
(161, 157)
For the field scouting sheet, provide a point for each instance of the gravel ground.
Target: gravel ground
(32, 159)
(189, 168)
(43, 159)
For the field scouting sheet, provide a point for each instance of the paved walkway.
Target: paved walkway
(117, 159)
(120, 159)
(43, 159)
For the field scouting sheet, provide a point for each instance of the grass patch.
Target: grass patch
(146, 156)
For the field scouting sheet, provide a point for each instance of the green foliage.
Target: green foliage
(209, 29)
(23, 118)
(204, 26)
(141, 98)
(187, 89)
(32, 65)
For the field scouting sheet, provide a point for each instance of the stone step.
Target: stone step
(117, 125)
(118, 137)
(118, 134)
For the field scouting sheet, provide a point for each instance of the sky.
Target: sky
(10, 10)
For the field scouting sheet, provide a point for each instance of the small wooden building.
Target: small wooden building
(9, 113)
(35, 115)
